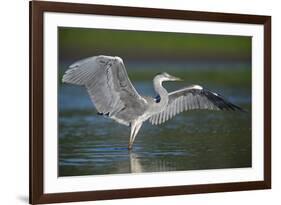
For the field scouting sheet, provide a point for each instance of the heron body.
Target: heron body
(113, 94)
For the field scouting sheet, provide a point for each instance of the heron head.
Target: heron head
(167, 77)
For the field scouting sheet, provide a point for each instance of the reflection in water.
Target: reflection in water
(93, 145)
(158, 165)
(135, 164)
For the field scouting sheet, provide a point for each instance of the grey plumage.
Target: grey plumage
(193, 97)
(109, 87)
(113, 94)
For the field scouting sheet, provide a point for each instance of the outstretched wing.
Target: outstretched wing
(108, 85)
(190, 98)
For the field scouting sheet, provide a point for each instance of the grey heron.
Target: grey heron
(113, 95)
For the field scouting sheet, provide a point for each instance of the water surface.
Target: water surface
(90, 144)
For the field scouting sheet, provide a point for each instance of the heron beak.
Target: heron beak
(173, 78)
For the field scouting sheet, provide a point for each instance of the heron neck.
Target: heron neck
(161, 91)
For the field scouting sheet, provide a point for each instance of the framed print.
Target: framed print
(135, 102)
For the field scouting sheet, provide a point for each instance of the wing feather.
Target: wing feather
(194, 97)
(109, 87)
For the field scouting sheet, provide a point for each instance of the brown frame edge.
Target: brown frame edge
(36, 10)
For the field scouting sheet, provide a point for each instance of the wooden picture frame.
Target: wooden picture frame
(37, 9)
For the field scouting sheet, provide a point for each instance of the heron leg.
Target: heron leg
(135, 127)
